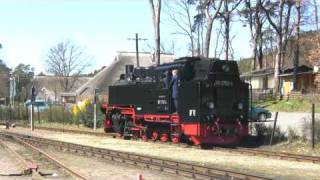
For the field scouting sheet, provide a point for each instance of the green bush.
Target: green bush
(293, 105)
(292, 135)
(16, 113)
(264, 133)
(87, 116)
(307, 128)
(53, 114)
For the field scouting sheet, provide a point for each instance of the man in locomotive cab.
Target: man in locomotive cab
(167, 76)
(174, 89)
(122, 80)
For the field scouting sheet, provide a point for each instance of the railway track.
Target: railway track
(246, 151)
(25, 165)
(274, 154)
(154, 163)
(36, 162)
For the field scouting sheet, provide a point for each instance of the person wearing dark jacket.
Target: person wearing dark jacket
(174, 89)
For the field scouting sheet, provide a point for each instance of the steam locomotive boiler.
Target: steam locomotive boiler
(212, 103)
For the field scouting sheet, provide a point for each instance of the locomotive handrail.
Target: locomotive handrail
(169, 66)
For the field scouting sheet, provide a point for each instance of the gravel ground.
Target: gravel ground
(44, 165)
(96, 169)
(93, 168)
(279, 169)
(8, 165)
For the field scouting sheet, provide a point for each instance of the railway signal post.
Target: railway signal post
(33, 98)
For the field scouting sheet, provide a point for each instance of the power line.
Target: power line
(137, 39)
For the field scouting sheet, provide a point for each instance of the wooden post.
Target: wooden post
(27, 114)
(10, 113)
(31, 118)
(38, 114)
(19, 112)
(63, 114)
(312, 138)
(95, 116)
(274, 128)
(78, 119)
(50, 112)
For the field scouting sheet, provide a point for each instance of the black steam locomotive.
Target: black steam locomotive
(212, 103)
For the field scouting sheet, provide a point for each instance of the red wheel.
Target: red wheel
(155, 135)
(175, 139)
(144, 137)
(164, 137)
(135, 135)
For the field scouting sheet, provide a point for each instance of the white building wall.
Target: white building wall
(256, 83)
(270, 81)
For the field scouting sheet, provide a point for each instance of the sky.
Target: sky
(29, 28)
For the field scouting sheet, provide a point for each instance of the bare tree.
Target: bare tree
(167, 48)
(269, 46)
(198, 28)
(287, 28)
(297, 43)
(316, 17)
(226, 15)
(210, 10)
(314, 54)
(156, 10)
(218, 53)
(275, 13)
(66, 61)
(254, 16)
(181, 14)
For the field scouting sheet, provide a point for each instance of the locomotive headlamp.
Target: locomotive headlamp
(240, 106)
(210, 105)
(225, 68)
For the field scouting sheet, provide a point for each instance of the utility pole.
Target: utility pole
(12, 91)
(137, 39)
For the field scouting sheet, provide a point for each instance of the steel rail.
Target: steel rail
(72, 172)
(23, 162)
(274, 154)
(170, 166)
(246, 151)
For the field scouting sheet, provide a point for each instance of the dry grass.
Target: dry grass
(298, 146)
(81, 127)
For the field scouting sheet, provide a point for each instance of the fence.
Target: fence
(259, 94)
(52, 113)
(8, 113)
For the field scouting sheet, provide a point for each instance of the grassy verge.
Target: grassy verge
(65, 126)
(288, 105)
(297, 147)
